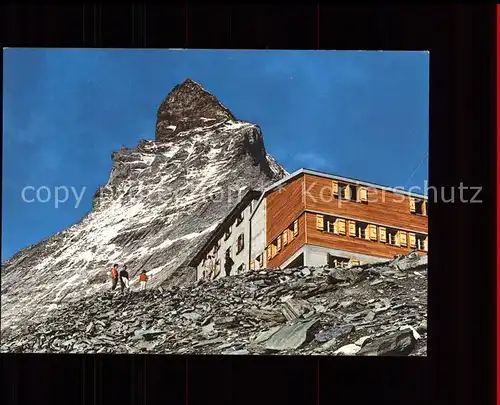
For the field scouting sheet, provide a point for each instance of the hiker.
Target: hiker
(143, 278)
(228, 264)
(124, 281)
(114, 277)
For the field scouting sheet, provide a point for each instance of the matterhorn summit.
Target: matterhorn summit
(161, 203)
(189, 106)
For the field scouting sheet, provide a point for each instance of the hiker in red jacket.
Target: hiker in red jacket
(114, 277)
(143, 278)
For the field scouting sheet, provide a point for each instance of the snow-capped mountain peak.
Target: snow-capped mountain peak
(161, 202)
(189, 106)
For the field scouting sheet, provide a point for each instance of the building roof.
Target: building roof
(292, 176)
(229, 219)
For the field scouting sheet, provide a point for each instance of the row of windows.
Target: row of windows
(239, 220)
(351, 192)
(363, 230)
(282, 240)
(240, 244)
(239, 247)
(356, 229)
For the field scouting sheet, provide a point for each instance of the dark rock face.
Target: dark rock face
(161, 202)
(188, 106)
(257, 312)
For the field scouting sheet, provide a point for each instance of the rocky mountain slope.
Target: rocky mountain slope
(369, 310)
(162, 200)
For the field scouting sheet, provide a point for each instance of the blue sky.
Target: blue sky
(356, 114)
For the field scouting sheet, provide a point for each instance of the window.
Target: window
(353, 193)
(336, 225)
(343, 193)
(285, 237)
(350, 192)
(227, 234)
(418, 207)
(239, 220)
(391, 236)
(269, 253)
(274, 248)
(362, 195)
(330, 226)
(260, 260)
(240, 244)
(421, 242)
(241, 268)
(291, 233)
(228, 250)
(361, 230)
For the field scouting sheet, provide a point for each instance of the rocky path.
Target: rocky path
(369, 310)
